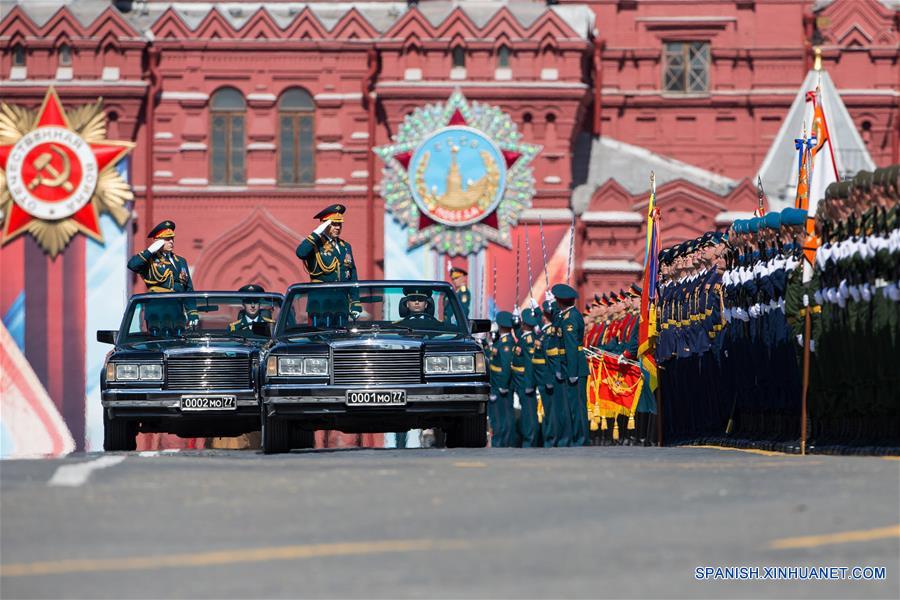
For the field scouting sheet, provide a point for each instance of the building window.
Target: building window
(296, 136)
(686, 67)
(65, 56)
(18, 55)
(503, 57)
(459, 56)
(227, 157)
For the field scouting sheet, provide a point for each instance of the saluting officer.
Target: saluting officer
(250, 313)
(573, 364)
(329, 259)
(160, 268)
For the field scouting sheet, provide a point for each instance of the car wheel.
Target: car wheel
(276, 434)
(118, 434)
(302, 438)
(469, 432)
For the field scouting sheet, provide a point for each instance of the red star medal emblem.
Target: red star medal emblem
(52, 174)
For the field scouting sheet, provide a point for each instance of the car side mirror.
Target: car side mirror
(262, 329)
(481, 325)
(106, 336)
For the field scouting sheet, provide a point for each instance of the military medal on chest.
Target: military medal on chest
(57, 173)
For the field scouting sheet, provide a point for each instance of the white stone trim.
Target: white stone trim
(612, 216)
(549, 74)
(192, 189)
(192, 146)
(163, 135)
(329, 146)
(331, 181)
(412, 74)
(549, 215)
(184, 96)
(261, 181)
(457, 73)
(869, 92)
(193, 181)
(618, 266)
(359, 135)
(69, 83)
(162, 173)
(261, 97)
(64, 73)
(503, 74)
(260, 146)
(110, 74)
(338, 96)
(354, 188)
(552, 179)
(575, 85)
(18, 73)
(359, 174)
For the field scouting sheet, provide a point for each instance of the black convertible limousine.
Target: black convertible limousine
(373, 356)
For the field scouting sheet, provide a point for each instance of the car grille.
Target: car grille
(377, 367)
(208, 372)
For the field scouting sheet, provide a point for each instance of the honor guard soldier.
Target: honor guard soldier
(329, 259)
(573, 363)
(458, 277)
(525, 385)
(501, 383)
(250, 314)
(160, 268)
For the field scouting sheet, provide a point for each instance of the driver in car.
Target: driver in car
(250, 314)
(417, 309)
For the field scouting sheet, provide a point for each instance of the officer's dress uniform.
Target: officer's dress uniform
(162, 272)
(245, 322)
(574, 366)
(328, 260)
(529, 428)
(501, 385)
(562, 422)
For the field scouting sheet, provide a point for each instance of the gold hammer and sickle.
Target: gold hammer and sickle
(42, 164)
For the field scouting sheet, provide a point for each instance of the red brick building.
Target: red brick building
(250, 116)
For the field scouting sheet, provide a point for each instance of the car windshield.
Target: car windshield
(165, 317)
(423, 309)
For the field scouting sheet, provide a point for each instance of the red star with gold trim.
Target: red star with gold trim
(107, 153)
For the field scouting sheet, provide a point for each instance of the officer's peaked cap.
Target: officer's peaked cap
(164, 230)
(252, 287)
(531, 317)
(505, 319)
(454, 271)
(793, 216)
(564, 292)
(334, 213)
(414, 291)
(773, 220)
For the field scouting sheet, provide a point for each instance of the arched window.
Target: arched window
(65, 56)
(227, 156)
(503, 57)
(459, 56)
(296, 138)
(18, 55)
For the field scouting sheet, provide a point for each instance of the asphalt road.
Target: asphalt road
(589, 522)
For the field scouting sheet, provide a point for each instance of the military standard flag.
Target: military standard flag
(647, 330)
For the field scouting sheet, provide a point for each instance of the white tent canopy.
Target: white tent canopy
(779, 168)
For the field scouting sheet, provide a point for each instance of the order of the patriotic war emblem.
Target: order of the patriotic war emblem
(57, 173)
(458, 176)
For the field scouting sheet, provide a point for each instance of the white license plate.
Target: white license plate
(376, 397)
(200, 403)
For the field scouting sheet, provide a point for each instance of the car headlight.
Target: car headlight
(134, 372)
(300, 366)
(439, 364)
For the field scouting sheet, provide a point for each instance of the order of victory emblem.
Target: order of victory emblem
(57, 172)
(458, 176)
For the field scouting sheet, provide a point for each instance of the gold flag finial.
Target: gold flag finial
(817, 63)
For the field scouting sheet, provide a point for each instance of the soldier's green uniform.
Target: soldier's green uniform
(562, 423)
(328, 260)
(162, 272)
(529, 428)
(457, 275)
(574, 364)
(544, 377)
(501, 384)
(244, 321)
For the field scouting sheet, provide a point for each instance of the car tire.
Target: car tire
(469, 432)
(303, 439)
(276, 434)
(118, 435)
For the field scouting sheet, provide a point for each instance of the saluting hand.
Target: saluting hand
(322, 227)
(155, 246)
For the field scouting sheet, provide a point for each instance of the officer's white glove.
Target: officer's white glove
(573, 380)
(516, 312)
(549, 297)
(559, 376)
(156, 246)
(549, 387)
(193, 321)
(529, 390)
(492, 397)
(322, 227)
(533, 303)
(503, 391)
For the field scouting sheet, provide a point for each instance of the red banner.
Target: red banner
(614, 386)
